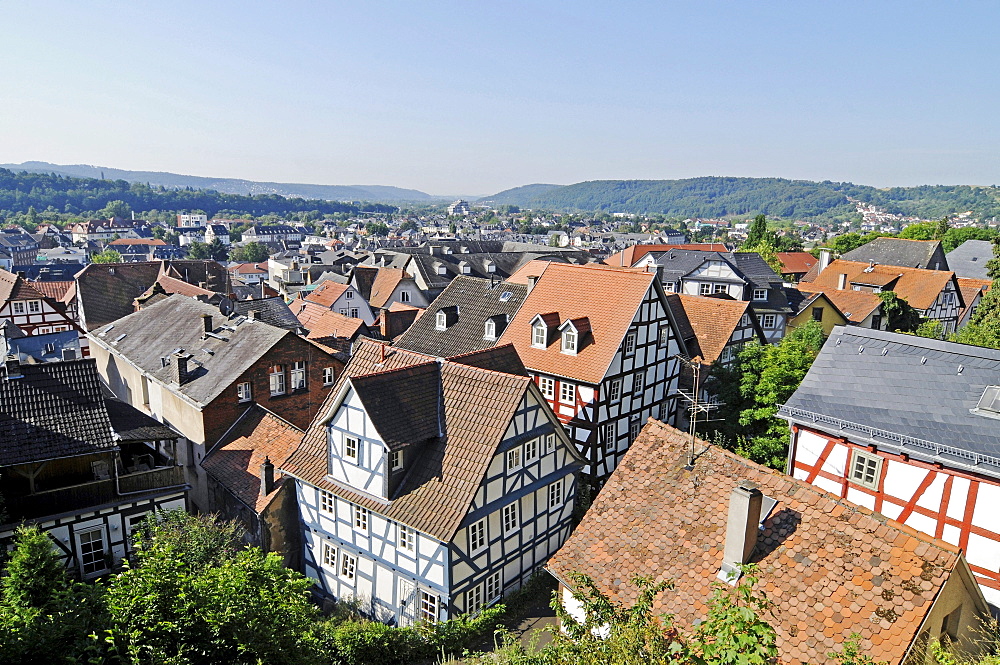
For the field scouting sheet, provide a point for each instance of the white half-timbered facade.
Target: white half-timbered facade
(910, 428)
(32, 312)
(428, 488)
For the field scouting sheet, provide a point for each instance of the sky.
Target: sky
(475, 97)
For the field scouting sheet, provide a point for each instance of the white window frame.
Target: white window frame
(663, 338)
(630, 343)
(244, 392)
(17, 307)
(639, 382)
(276, 379)
(406, 538)
(567, 392)
(395, 460)
(348, 295)
(760, 295)
(355, 313)
(634, 428)
(569, 340)
(556, 494)
(329, 376)
(547, 386)
(615, 390)
(720, 288)
(514, 459)
(474, 599)
(362, 517)
(669, 287)
(441, 321)
(870, 461)
(705, 289)
(34, 307)
(490, 329)
(329, 555)
(477, 536)
(530, 450)
(404, 296)
(348, 569)
(509, 517)
(769, 321)
(327, 502)
(610, 436)
(298, 375)
(96, 566)
(428, 608)
(744, 320)
(539, 336)
(493, 587)
(550, 443)
(355, 449)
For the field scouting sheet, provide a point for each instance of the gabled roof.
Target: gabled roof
(712, 321)
(920, 389)
(151, 334)
(324, 323)
(971, 288)
(236, 459)
(386, 281)
(609, 298)
(827, 566)
(919, 287)
(327, 293)
(477, 300)
(249, 268)
(54, 410)
(54, 290)
(901, 252)
(436, 493)
(269, 310)
(629, 256)
(403, 404)
(855, 306)
(13, 287)
(796, 263)
(364, 278)
(106, 291)
(969, 259)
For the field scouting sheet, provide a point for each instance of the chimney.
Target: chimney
(253, 315)
(12, 367)
(842, 281)
(825, 254)
(742, 527)
(69, 354)
(180, 374)
(206, 320)
(532, 280)
(266, 477)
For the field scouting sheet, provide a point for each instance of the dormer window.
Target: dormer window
(491, 267)
(441, 270)
(491, 329)
(465, 268)
(539, 335)
(442, 321)
(760, 294)
(446, 317)
(569, 339)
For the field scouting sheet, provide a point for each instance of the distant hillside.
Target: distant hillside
(381, 193)
(86, 196)
(775, 197)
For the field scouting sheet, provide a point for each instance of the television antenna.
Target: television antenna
(696, 405)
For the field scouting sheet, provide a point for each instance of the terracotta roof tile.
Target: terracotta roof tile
(630, 255)
(796, 262)
(828, 566)
(327, 293)
(54, 290)
(712, 321)
(385, 283)
(854, 305)
(919, 287)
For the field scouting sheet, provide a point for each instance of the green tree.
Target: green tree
(768, 252)
(117, 208)
(941, 228)
(921, 231)
(931, 329)
(409, 225)
(452, 228)
(217, 251)
(984, 328)
(758, 232)
(252, 252)
(848, 241)
(900, 316)
(107, 256)
(377, 229)
(197, 250)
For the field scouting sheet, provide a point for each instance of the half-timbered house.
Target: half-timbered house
(27, 307)
(430, 487)
(601, 344)
(910, 428)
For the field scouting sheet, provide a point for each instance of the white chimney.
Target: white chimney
(842, 281)
(742, 527)
(825, 255)
(532, 280)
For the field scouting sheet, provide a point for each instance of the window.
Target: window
(768, 321)
(329, 555)
(406, 538)
(567, 393)
(569, 341)
(670, 286)
(556, 494)
(539, 336)
(92, 555)
(547, 386)
(299, 375)
(760, 294)
(477, 535)
(361, 516)
(348, 295)
(404, 296)
(705, 289)
(494, 586)
(351, 448)
(663, 339)
(354, 312)
(639, 381)
(744, 320)
(817, 313)
(441, 321)
(610, 431)
(34, 306)
(550, 443)
(865, 469)
(509, 518)
(727, 354)
(343, 310)
(630, 343)
(876, 322)
(513, 459)
(490, 331)
(348, 566)
(428, 607)
(328, 376)
(244, 391)
(474, 599)
(615, 390)
(633, 430)
(662, 412)
(719, 288)
(277, 378)
(530, 450)
(326, 501)
(395, 460)
(19, 307)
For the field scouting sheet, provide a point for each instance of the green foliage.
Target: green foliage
(116, 208)
(900, 316)
(252, 252)
(955, 237)
(758, 232)
(852, 654)
(107, 256)
(930, 328)
(409, 225)
(197, 250)
(921, 231)
(848, 241)
(377, 229)
(217, 251)
(984, 328)
(734, 633)
(762, 378)
(768, 252)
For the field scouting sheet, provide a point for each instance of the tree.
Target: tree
(848, 241)
(217, 251)
(252, 252)
(921, 231)
(941, 228)
(452, 228)
(107, 256)
(377, 229)
(197, 250)
(984, 328)
(758, 231)
(900, 316)
(117, 208)
(409, 225)
(767, 252)
(931, 329)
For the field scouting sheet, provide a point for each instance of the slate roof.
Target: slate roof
(919, 287)
(131, 424)
(363, 278)
(901, 252)
(270, 310)
(54, 410)
(436, 493)
(969, 259)
(176, 322)
(107, 291)
(609, 297)
(235, 461)
(712, 321)
(403, 403)
(477, 300)
(828, 567)
(629, 256)
(922, 390)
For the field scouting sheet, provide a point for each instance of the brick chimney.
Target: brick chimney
(180, 366)
(206, 320)
(742, 527)
(266, 477)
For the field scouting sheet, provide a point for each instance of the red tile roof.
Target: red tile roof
(249, 268)
(13, 287)
(854, 305)
(327, 293)
(796, 263)
(385, 283)
(608, 297)
(55, 290)
(829, 567)
(713, 321)
(919, 287)
(970, 288)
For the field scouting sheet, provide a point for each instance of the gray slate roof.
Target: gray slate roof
(176, 323)
(271, 310)
(926, 254)
(920, 388)
(477, 300)
(54, 410)
(969, 259)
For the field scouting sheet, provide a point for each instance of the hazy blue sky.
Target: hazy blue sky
(475, 97)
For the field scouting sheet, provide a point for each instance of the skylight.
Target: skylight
(505, 296)
(990, 401)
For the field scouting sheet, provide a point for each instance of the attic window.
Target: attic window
(505, 296)
(441, 270)
(989, 403)
(466, 268)
(491, 267)
(569, 340)
(441, 321)
(490, 332)
(539, 335)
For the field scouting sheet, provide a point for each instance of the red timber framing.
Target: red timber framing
(952, 520)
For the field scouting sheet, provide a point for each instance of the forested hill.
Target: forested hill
(775, 197)
(377, 193)
(41, 191)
